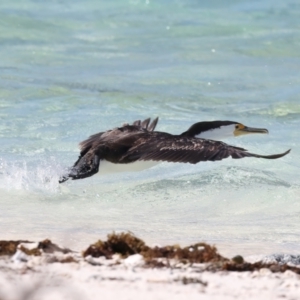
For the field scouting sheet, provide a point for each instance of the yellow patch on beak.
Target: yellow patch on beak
(241, 129)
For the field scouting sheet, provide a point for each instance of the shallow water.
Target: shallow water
(71, 69)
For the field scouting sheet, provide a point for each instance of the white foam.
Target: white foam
(40, 175)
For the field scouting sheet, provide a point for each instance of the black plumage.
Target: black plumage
(139, 142)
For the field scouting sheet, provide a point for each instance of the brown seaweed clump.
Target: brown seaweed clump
(127, 244)
(124, 244)
(10, 247)
(273, 267)
(33, 251)
(46, 246)
(197, 253)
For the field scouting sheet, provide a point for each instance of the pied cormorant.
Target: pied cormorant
(120, 149)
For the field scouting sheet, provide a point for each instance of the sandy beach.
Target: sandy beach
(45, 271)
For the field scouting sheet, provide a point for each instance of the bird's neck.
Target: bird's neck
(214, 130)
(221, 133)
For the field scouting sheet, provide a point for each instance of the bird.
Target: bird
(138, 146)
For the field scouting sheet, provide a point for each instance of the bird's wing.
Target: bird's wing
(138, 125)
(86, 145)
(187, 150)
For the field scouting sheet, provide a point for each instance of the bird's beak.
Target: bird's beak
(247, 130)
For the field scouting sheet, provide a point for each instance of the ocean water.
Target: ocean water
(69, 69)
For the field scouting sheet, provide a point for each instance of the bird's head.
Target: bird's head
(241, 129)
(218, 130)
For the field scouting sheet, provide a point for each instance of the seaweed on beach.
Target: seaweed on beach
(33, 251)
(273, 267)
(10, 247)
(126, 244)
(46, 246)
(197, 253)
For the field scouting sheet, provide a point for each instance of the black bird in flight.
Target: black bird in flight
(137, 146)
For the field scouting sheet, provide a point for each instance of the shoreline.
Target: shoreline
(44, 270)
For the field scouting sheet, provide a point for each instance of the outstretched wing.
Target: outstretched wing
(187, 150)
(86, 145)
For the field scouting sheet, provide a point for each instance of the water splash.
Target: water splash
(39, 175)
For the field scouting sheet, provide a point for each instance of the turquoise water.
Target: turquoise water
(73, 68)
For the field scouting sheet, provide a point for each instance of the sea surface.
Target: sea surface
(69, 69)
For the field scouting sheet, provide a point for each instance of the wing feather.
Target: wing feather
(146, 124)
(152, 126)
(187, 150)
(137, 123)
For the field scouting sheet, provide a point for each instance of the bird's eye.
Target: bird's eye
(236, 126)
